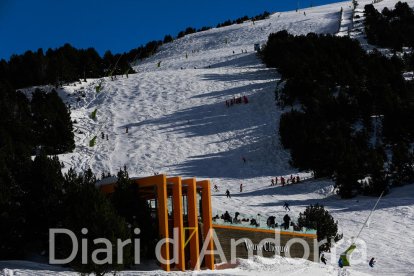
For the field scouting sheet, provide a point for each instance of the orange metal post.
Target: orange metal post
(192, 221)
(178, 218)
(207, 220)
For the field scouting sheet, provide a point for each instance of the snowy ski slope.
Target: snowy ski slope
(178, 124)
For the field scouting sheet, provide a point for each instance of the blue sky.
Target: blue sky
(116, 25)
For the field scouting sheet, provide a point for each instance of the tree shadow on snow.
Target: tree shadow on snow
(240, 60)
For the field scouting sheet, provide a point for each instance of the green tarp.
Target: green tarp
(345, 255)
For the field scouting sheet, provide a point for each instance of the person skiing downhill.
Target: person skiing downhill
(372, 262)
(286, 206)
(228, 194)
(241, 187)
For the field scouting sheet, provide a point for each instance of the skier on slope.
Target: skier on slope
(323, 259)
(372, 262)
(241, 187)
(228, 193)
(286, 206)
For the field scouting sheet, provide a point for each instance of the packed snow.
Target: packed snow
(178, 124)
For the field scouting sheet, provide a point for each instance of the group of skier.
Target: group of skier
(228, 195)
(226, 217)
(103, 136)
(243, 51)
(284, 181)
(238, 100)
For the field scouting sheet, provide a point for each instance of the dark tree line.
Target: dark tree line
(334, 89)
(391, 28)
(35, 197)
(240, 20)
(146, 50)
(191, 30)
(61, 65)
(42, 123)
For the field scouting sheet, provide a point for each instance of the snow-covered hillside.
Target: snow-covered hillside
(178, 124)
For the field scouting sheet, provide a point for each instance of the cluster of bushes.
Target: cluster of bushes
(334, 88)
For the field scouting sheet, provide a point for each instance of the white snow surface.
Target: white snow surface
(178, 124)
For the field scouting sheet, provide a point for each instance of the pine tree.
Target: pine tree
(93, 114)
(168, 39)
(402, 166)
(87, 207)
(43, 200)
(52, 123)
(130, 205)
(92, 142)
(316, 217)
(348, 172)
(13, 216)
(378, 182)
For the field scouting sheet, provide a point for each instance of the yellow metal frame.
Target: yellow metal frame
(190, 186)
(207, 219)
(178, 218)
(193, 222)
